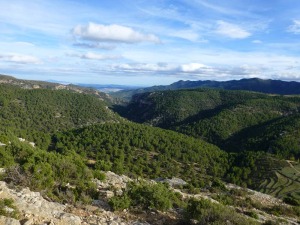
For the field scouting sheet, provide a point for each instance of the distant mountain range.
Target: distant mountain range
(54, 85)
(253, 84)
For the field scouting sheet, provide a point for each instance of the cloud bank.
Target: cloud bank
(18, 58)
(94, 56)
(112, 33)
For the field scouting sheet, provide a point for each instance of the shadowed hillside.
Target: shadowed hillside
(225, 118)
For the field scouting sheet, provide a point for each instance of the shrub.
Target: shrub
(7, 208)
(5, 158)
(292, 201)
(120, 202)
(216, 183)
(270, 222)
(225, 199)
(206, 212)
(296, 211)
(156, 196)
(99, 175)
(146, 196)
(285, 210)
(252, 214)
(239, 192)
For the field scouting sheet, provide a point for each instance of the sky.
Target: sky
(139, 42)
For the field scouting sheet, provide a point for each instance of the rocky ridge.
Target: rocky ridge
(32, 84)
(36, 210)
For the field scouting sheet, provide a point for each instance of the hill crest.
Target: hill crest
(253, 84)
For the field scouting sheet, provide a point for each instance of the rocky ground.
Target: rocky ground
(35, 210)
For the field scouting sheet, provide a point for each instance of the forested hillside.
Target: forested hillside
(221, 117)
(144, 151)
(34, 114)
(279, 136)
(169, 108)
(33, 84)
(76, 137)
(65, 122)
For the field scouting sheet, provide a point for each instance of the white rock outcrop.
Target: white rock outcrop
(35, 209)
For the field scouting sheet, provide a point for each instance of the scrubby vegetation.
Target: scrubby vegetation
(8, 208)
(206, 212)
(76, 137)
(48, 172)
(146, 196)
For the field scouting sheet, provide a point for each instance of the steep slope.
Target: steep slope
(267, 174)
(35, 113)
(169, 108)
(217, 116)
(279, 136)
(229, 121)
(145, 151)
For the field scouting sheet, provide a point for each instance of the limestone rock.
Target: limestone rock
(36, 209)
(174, 182)
(8, 221)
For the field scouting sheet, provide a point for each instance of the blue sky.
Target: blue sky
(137, 42)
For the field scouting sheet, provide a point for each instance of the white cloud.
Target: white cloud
(112, 33)
(94, 56)
(231, 30)
(295, 27)
(94, 45)
(201, 71)
(190, 69)
(257, 42)
(193, 67)
(145, 67)
(186, 34)
(18, 58)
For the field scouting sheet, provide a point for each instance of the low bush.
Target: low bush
(252, 214)
(206, 212)
(118, 203)
(292, 201)
(279, 210)
(8, 209)
(99, 175)
(146, 196)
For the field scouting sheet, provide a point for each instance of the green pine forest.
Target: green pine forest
(204, 136)
(233, 120)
